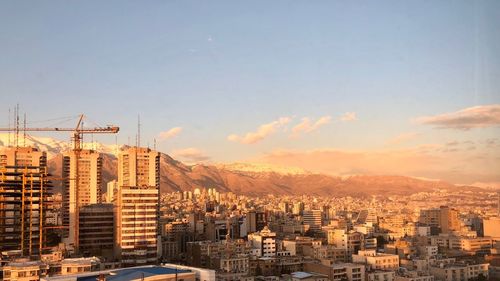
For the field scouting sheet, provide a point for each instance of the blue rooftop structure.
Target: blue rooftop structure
(135, 273)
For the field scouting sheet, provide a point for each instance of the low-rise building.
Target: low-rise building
(350, 240)
(234, 264)
(80, 265)
(338, 271)
(24, 270)
(308, 276)
(328, 252)
(296, 246)
(265, 240)
(377, 261)
(380, 275)
(468, 245)
(459, 271)
(141, 273)
(414, 276)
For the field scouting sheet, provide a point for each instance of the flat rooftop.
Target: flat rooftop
(119, 274)
(135, 273)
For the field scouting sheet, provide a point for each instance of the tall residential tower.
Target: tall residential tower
(137, 206)
(80, 188)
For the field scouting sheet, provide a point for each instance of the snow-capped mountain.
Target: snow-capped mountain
(262, 168)
(53, 146)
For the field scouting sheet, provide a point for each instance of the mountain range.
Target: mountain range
(251, 178)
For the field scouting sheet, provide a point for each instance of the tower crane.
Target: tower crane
(78, 131)
(77, 137)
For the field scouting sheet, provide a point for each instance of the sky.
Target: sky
(338, 87)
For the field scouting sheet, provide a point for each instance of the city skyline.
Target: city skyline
(250, 141)
(286, 84)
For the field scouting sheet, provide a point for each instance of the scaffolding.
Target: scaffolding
(25, 197)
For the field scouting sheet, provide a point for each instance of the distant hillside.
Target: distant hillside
(177, 176)
(252, 179)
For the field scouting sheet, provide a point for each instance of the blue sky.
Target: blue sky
(226, 67)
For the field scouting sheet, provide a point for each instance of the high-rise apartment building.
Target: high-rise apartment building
(82, 186)
(429, 217)
(24, 192)
(96, 232)
(449, 220)
(313, 219)
(445, 218)
(136, 206)
(264, 242)
(298, 208)
(255, 221)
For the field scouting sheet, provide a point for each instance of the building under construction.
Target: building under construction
(24, 194)
(24, 187)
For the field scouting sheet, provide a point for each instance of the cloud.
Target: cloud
(262, 132)
(170, 133)
(465, 119)
(348, 116)
(491, 143)
(307, 126)
(405, 137)
(489, 185)
(190, 154)
(427, 161)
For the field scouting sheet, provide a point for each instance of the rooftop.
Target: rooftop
(303, 275)
(124, 274)
(80, 260)
(136, 273)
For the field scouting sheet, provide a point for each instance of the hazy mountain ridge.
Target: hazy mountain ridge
(179, 177)
(251, 178)
(176, 176)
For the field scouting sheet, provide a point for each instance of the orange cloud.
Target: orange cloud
(170, 133)
(348, 116)
(465, 119)
(262, 132)
(425, 161)
(307, 126)
(190, 154)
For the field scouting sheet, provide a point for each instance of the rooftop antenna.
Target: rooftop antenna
(154, 144)
(138, 130)
(24, 131)
(8, 136)
(17, 124)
